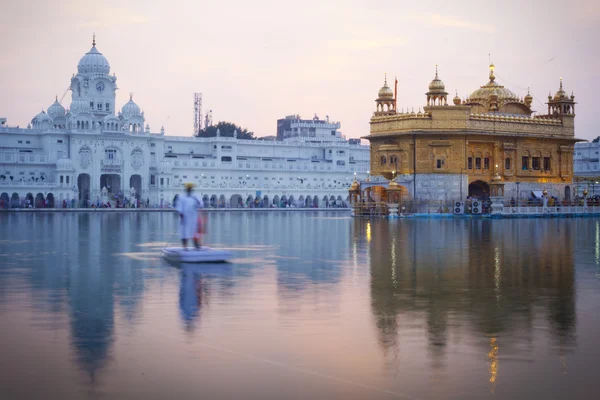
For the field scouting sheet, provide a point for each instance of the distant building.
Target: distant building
(308, 130)
(587, 160)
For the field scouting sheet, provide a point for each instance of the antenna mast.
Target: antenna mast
(197, 112)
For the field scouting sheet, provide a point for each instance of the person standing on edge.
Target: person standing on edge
(188, 206)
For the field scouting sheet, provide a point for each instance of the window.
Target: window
(393, 160)
(152, 180)
(226, 159)
(61, 179)
(440, 163)
(535, 163)
(470, 163)
(67, 179)
(507, 164)
(99, 106)
(525, 163)
(107, 107)
(28, 142)
(91, 105)
(382, 160)
(477, 162)
(59, 141)
(486, 163)
(20, 141)
(162, 181)
(110, 154)
(547, 164)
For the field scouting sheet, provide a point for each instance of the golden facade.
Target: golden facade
(491, 136)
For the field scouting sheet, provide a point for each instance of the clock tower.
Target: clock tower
(93, 85)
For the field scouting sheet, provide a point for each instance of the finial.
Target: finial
(436, 71)
(492, 76)
(56, 97)
(561, 82)
(528, 90)
(130, 96)
(385, 78)
(94, 39)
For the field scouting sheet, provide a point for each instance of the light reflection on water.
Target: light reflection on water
(313, 306)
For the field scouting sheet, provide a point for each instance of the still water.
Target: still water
(314, 306)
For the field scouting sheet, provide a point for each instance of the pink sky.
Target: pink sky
(256, 61)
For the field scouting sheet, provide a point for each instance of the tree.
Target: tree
(226, 129)
(596, 140)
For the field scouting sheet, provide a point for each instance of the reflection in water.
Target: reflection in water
(315, 306)
(492, 276)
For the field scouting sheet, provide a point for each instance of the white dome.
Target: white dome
(41, 117)
(165, 167)
(93, 62)
(56, 110)
(79, 105)
(130, 109)
(64, 164)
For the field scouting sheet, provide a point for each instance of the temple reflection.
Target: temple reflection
(494, 279)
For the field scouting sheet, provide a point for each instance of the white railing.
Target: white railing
(112, 163)
(539, 210)
(28, 184)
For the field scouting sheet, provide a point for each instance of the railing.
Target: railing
(112, 163)
(23, 158)
(29, 183)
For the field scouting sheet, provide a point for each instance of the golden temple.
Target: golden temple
(450, 151)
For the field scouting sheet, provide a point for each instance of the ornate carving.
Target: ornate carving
(85, 157)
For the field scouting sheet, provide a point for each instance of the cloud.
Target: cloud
(113, 16)
(453, 22)
(368, 44)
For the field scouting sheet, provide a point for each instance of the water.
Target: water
(315, 305)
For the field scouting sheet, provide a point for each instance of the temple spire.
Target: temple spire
(94, 40)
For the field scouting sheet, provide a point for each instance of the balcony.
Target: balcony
(112, 163)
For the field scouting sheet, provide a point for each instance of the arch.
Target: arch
(235, 201)
(213, 200)
(112, 182)
(382, 160)
(479, 189)
(15, 200)
(568, 193)
(315, 202)
(276, 201)
(284, 201)
(301, 200)
(249, 200)
(29, 196)
(291, 200)
(4, 200)
(83, 184)
(205, 200)
(308, 201)
(222, 201)
(40, 201)
(50, 200)
(135, 182)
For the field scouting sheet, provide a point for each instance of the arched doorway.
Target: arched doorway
(308, 201)
(235, 201)
(135, 182)
(479, 190)
(112, 182)
(50, 199)
(222, 201)
(301, 201)
(213, 201)
(40, 202)
(83, 184)
(291, 200)
(568, 193)
(276, 201)
(4, 200)
(284, 201)
(29, 196)
(15, 200)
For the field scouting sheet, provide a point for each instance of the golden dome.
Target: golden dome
(355, 186)
(385, 93)
(436, 85)
(561, 94)
(482, 94)
(456, 99)
(528, 99)
(393, 185)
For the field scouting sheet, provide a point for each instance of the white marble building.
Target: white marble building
(73, 153)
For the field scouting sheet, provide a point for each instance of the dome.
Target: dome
(528, 99)
(165, 167)
(79, 106)
(56, 110)
(483, 93)
(130, 109)
(93, 62)
(355, 186)
(456, 99)
(561, 94)
(41, 117)
(436, 85)
(385, 93)
(64, 164)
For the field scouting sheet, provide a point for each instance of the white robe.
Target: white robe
(188, 207)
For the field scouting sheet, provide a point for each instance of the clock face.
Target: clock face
(100, 86)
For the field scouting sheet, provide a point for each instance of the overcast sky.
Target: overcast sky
(257, 61)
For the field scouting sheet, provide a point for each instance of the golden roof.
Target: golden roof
(456, 99)
(561, 94)
(482, 94)
(437, 86)
(355, 186)
(385, 93)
